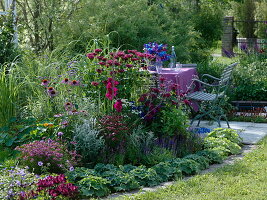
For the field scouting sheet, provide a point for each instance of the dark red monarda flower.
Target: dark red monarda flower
(104, 59)
(132, 51)
(110, 62)
(135, 59)
(98, 50)
(91, 56)
(99, 57)
(99, 71)
(94, 83)
(167, 95)
(120, 54)
(121, 70)
(156, 90)
(162, 79)
(102, 63)
(117, 63)
(129, 65)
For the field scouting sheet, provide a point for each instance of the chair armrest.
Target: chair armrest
(210, 77)
(204, 83)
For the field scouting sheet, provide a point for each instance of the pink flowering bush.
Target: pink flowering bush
(48, 155)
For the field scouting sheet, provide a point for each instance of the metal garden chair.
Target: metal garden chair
(211, 101)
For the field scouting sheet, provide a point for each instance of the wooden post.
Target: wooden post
(227, 37)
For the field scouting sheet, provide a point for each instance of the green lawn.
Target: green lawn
(245, 180)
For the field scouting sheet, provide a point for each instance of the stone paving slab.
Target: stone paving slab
(250, 132)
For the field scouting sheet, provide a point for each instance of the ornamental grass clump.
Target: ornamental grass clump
(47, 155)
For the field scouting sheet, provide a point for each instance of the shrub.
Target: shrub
(187, 166)
(48, 155)
(166, 172)
(222, 144)
(145, 176)
(212, 155)
(228, 133)
(201, 160)
(89, 143)
(158, 155)
(93, 186)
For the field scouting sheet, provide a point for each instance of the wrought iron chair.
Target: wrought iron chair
(211, 101)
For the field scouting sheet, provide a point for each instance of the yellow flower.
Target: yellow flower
(48, 125)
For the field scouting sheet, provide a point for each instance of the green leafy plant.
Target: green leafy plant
(145, 176)
(187, 166)
(201, 160)
(213, 156)
(158, 155)
(93, 186)
(222, 144)
(228, 133)
(166, 172)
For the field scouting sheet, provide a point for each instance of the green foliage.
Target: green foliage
(174, 121)
(222, 144)
(145, 176)
(93, 186)
(250, 78)
(166, 172)
(8, 50)
(10, 90)
(187, 166)
(212, 155)
(201, 160)
(158, 155)
(88, 142)
(227, 133)
(139, 143)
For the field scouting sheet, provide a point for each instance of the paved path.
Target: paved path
(249, 131)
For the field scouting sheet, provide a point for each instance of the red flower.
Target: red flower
(91, 56)
(167, 95)
(135, 59)
(98, 50)
(95, 83)
(99, 71)
(129, 65)
(102, 63)
(118, 106)
(121, 70)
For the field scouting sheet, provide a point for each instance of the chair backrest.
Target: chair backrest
(226, 77)
(189, 65)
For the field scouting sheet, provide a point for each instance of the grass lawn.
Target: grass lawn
(246, 179)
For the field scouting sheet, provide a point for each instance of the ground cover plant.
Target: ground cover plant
(243, 180)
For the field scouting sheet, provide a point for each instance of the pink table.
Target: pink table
(181, 76)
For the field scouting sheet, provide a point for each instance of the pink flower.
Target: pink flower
(45, 82)
(91, 56)
(94, 83)
(74, 83)
(65, 81)
(118, 106)
(68, 106)
(135, 59)
(121, 70)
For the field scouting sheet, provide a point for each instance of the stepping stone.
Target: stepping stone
(250, 132)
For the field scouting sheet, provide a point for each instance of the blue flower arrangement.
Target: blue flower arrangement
(158, 50)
